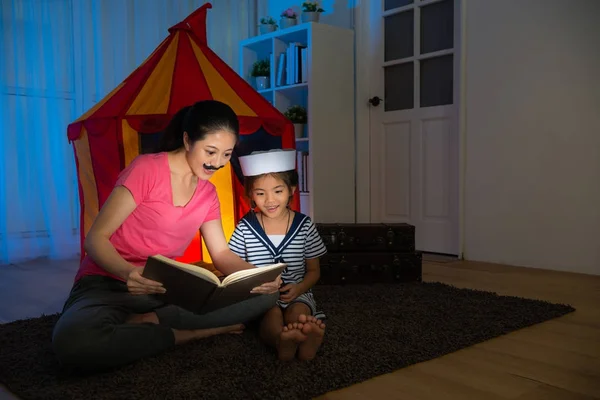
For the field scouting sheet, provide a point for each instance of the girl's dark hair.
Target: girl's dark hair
(199, 120)
(290, 178)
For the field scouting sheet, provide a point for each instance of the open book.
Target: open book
(199, 290)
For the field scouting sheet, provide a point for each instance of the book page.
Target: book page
(192, 269)
(239, 275)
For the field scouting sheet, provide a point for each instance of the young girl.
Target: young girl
(273, 234)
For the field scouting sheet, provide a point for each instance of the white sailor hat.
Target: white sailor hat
(264, 162)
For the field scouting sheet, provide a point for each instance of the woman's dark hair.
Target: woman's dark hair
(199, 120)
(290, 178)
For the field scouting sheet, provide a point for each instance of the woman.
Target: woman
(156, 207)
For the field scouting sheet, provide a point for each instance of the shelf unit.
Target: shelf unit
(327, 92)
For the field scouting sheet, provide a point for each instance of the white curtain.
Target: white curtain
(58, 58)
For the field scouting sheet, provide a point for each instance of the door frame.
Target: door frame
(362, 111)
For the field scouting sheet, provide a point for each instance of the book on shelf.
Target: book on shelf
(281, 69)
(199, 290)
(292, 65)
(302, 161)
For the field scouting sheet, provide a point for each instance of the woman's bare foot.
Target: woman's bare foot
(314, 329)
(150, 317)
(289, 339)
(183, 336)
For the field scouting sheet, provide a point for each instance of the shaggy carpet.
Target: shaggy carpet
(371, 330)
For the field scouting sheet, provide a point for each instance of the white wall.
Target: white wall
(532, 133)
(531, 140)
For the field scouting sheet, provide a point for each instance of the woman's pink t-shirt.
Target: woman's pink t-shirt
(156, 226)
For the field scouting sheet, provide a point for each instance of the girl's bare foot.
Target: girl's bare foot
(314, 329)
(289, 339)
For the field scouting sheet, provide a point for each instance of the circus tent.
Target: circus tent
(180, 71)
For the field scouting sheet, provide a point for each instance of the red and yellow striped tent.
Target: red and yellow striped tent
(181, 71)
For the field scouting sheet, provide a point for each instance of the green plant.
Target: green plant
(268, 21)
(296, 114)
(311, 6)
(261, 68)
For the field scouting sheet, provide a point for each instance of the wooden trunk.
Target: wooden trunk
(369, 253)
(368, 237)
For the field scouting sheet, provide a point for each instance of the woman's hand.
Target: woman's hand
(137, 284)
(269, 287)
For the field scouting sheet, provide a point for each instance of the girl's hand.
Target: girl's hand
(289, 292)
(269, 287)
(137, 284)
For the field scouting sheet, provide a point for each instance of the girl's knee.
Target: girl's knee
(294, 310)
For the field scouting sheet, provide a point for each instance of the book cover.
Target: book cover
(199, 290)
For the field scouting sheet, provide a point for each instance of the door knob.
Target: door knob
(375, 100)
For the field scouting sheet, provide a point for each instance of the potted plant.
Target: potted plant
(311, 11)
(267, 24)
(288, 18)
(261, 70)
(297, 115)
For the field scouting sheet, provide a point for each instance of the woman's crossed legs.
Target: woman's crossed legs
(104, 326)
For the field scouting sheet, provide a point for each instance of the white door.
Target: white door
(414, 126)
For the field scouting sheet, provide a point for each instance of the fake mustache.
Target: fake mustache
(211, 168)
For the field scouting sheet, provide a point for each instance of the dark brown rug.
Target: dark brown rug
(371, 330)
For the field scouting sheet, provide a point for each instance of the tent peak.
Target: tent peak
(194, 23)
